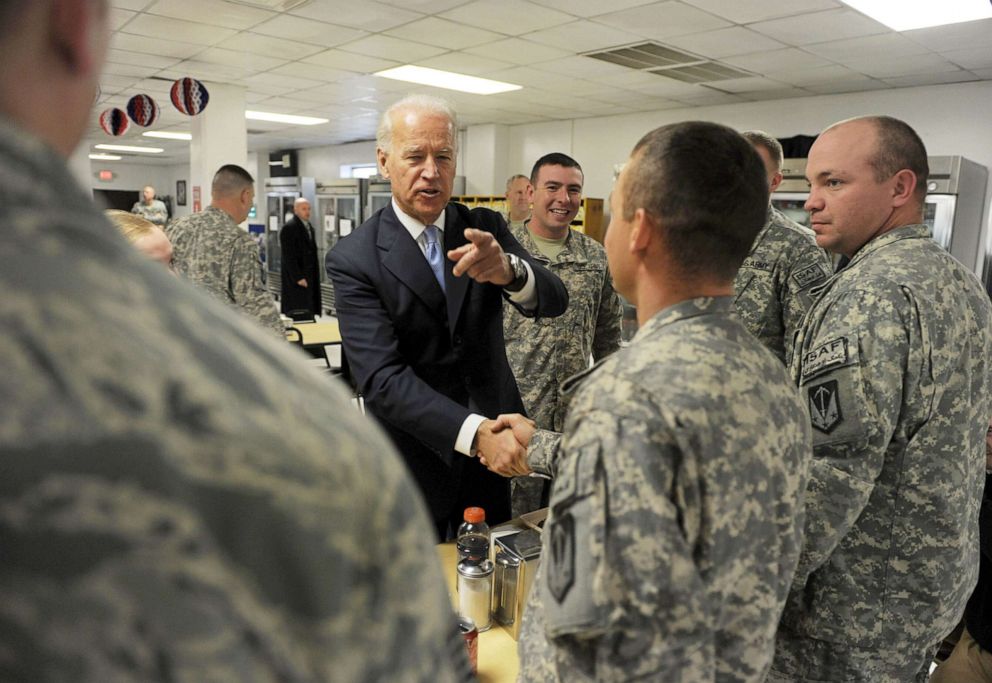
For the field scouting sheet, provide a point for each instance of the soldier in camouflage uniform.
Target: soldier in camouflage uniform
(214, 253)
(517, 200)
(151, 209)
(544, 352)
(893, 360)
(168, 511)
(676, 514)
(774, 283)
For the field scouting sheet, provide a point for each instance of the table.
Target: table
(316, 334)
(498, 661)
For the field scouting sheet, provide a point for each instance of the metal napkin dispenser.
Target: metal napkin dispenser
(517, 559)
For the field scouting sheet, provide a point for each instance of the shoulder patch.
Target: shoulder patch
(829, 355)
(824, 406)
(810, 275)
(561, 574)
(756, 264)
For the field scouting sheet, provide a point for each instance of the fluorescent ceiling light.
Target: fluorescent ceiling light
(909, 14)
(167, 135)
(446, 79)
(129, 148)
(105, 157)
(284, 118)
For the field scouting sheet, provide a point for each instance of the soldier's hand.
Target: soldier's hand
(482, 259)
(523, 427)
(500, 451)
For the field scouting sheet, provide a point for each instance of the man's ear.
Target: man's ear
(380, 157)
(641, 231)
(79, 33)
(904, 187)
(776, 181)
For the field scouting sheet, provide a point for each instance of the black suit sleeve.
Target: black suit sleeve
(385, 378)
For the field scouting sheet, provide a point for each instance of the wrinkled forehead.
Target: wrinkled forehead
(416, 126)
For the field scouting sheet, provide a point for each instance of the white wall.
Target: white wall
(951, 119)
(324, 163)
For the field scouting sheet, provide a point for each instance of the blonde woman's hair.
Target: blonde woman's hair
(131, 225)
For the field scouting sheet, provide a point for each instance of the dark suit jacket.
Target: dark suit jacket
(418, 356)
(299, 260)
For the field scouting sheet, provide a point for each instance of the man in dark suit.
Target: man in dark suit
(423, 333)
(300, 274)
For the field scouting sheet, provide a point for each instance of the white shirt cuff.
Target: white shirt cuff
(466, 435)
(526, 297)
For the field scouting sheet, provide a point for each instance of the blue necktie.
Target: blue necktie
(434, 255)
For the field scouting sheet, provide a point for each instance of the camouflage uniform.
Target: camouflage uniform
(214, 253)
(544, 352)
(893, 360)
(168, 511)
(155, 212)
(676, 515)
(773, 284)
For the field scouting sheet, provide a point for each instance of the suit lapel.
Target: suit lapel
(402, 257)
(456, 287)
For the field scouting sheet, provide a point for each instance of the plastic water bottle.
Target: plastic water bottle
(473, 537)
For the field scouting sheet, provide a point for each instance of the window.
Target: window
(359, 170)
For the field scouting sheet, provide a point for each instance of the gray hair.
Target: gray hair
(509, 181)
(760, 138)
(300, 200)
(424, 103)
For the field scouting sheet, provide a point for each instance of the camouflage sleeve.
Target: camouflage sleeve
(851, 375)
(809, 268)
(157, 214)
(247, 288)
(621, 602)
(607, 337)
(541, 451)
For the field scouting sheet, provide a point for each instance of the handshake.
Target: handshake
(501, 444)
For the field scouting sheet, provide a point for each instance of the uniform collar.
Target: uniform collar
(917, 231)
(683, 310)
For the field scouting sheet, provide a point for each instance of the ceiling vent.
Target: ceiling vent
(666, 61)
(274, 5)
(703, 72)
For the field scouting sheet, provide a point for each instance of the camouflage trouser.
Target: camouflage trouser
(527, 495)
(806, 660)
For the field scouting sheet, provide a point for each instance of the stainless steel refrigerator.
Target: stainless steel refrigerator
(337, 212)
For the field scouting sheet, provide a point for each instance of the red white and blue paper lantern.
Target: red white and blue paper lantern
(114, 121)
(189, 96)
(142, 109)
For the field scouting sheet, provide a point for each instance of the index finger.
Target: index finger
(477, 237)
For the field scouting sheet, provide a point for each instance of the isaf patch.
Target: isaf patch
(829, 355)
(810, 275)
(824, 406)
(561, 576)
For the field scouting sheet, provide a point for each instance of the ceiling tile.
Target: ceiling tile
(811, 28)
(507, 16)
(185, 31)
(349, 61)
(289, 28)
(322, 74)
(114, 83)
(132, 4)
(215, 12)
(822, 74)
(885, 45)
(846, 85)
(585, 67)
(387, 47)
(585, 35)
(970, 34)
(708, 98)
(931, 79)
(154, 46)
(205, 71)
(747, 11)
(462, 62)
(975, 58)
(427, 6)
(904, 66)
(776, 60)
(139, 59)
(983, 73)
(240, 58)
(119, 17)
(780, 94)
(130, 70)
(283, 81)
(367, 14)
(270, 46)
(743, 85)
(724, 42)
(590, 8)
(443, 33)
(662, 20)
(518, 51)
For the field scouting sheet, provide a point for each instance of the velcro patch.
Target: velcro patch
(824, 406)
(829, 355)
(810, 275)
(757, 265)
